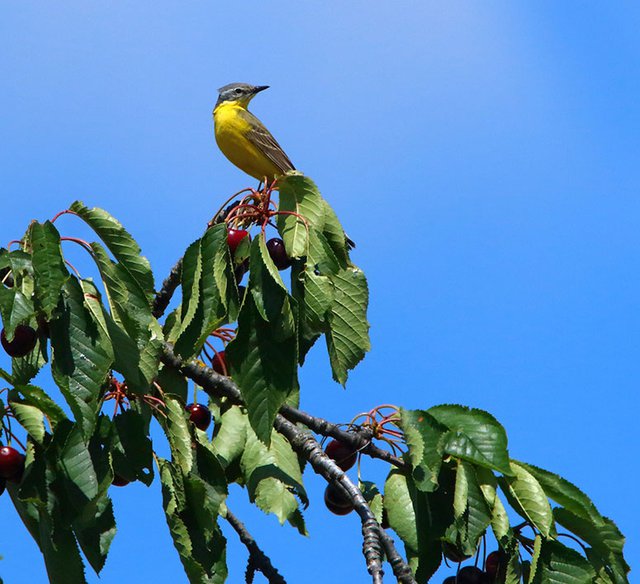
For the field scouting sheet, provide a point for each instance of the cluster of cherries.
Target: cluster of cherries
(275, 246)
(474, 575)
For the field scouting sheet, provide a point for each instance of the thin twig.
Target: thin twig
(258, 558)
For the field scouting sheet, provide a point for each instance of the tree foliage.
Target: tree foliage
(121, 365)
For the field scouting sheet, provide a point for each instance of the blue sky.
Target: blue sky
(483, 156)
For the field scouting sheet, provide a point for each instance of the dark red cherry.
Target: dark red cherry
(219, 363)
(278, 253)
(472, 575)
(119, 481)
(336, 501)
(343, 455)
(200, 415)
(24, 341)
(234, 237)
(493, 562)
(11, 463)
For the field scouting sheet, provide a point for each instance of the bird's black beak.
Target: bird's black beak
(259, 88)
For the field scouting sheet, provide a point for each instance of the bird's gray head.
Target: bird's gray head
(240, 92)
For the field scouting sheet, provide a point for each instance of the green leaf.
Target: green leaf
(60, 550)
(50, 272)
(178, 432)
(529, 499)
(424, 436)
(474, 435)
(36, 397)
(373, 497)
(264, 366)
(30, 418)
(499, 518)
(605, 539)
(201, 546)
(410, 516)
(230, 435)
(300, 196)
(559, 564)
(131, 447)
(472, 513)
(80, 362)
(348, 333)
(95, 532)
(131, 312)
(274, 478)
(121, 244)
(334, 233)
(15, 309)
(564, 493)
(78, 465)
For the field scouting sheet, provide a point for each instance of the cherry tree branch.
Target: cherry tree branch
(375, 537)
(257, 558)
(359, 439)
(163, 296)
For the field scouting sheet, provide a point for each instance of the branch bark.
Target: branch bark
(259, 560)
(163, 296)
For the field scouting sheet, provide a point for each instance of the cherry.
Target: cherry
(199, 415)
(24, 340)
(493, 562)
(336, 501)
(11, 463)
(278, 253)
(451, 552)
(342, 454)
(472, 575)
(234, 237)
(119, 481)
(449, 580)
(219, 363)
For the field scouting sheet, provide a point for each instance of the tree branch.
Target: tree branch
(374, 537)
(209, 380)
(163, 296)
(257, 557)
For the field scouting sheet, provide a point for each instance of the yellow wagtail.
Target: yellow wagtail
(243, 138)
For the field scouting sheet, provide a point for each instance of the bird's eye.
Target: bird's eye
(238, 91)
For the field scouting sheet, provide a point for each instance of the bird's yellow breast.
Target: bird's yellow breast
(232, 129)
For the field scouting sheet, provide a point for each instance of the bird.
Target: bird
(243, 138)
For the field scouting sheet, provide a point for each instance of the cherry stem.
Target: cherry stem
(65, 212)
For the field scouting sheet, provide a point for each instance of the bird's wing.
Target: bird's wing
(262, 139)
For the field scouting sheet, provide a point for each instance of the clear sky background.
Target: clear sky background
(483, 155)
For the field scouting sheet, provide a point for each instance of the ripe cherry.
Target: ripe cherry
(493, 562)
(234, 237)
(336, 501)
(119, 481)
(472, 575)
(200, 415)
(278, 253)
(24, 341)
(342, 454)
(219, 363)
(11, 463)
